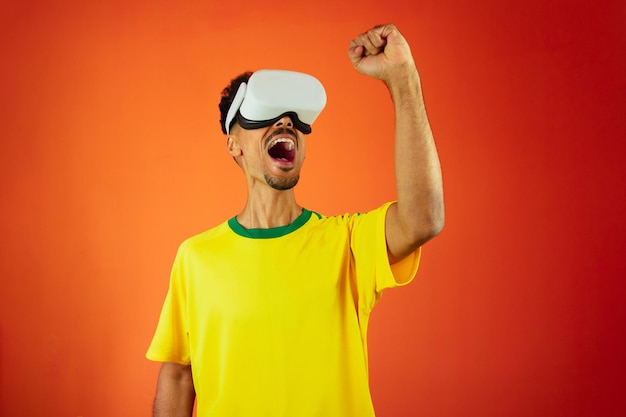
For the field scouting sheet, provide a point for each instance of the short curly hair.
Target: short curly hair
(228, 95)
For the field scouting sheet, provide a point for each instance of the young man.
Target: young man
(267, 313)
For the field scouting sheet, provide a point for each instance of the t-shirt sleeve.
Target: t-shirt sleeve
(370, 263)
(170, 342)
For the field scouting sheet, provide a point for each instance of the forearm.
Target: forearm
(175, 394)
(382, 52)
(420, 208)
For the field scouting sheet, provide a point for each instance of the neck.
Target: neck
(273, 209)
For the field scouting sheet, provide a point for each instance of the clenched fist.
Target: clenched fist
(382, 52)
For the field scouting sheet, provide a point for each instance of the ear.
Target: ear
(233, 147)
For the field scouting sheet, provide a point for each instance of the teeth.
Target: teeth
(290, 144)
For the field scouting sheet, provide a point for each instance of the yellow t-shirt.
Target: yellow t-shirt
(274, 321)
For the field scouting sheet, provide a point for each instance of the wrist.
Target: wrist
(404, 82)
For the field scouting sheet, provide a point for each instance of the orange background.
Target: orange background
(111, 154)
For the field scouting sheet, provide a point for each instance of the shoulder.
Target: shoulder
(361, 226)
(321, 221)
(352, 219)
(210, 237)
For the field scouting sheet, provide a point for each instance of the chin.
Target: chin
(282, 184)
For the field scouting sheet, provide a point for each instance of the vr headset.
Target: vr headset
(269, 95)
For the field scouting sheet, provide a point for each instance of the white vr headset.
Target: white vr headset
(269, 95)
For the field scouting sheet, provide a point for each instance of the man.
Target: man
(267, 313)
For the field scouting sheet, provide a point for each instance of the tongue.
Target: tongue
(281, 152)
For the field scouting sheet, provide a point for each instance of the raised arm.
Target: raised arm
(383, 53)
(175, 391)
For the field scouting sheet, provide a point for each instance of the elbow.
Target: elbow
(436, 227)
(436, 218)
(428, 227)
(438, 221)
(432, 229)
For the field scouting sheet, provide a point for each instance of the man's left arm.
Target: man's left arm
(383, 53)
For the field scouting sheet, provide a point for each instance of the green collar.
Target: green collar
(272, 231)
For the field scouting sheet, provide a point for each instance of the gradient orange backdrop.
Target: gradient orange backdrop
(111, 155)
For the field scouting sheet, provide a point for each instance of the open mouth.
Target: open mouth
(283, 149)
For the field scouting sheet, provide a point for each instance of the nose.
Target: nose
(284, 121)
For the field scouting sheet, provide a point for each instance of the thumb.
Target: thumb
(355, 54)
